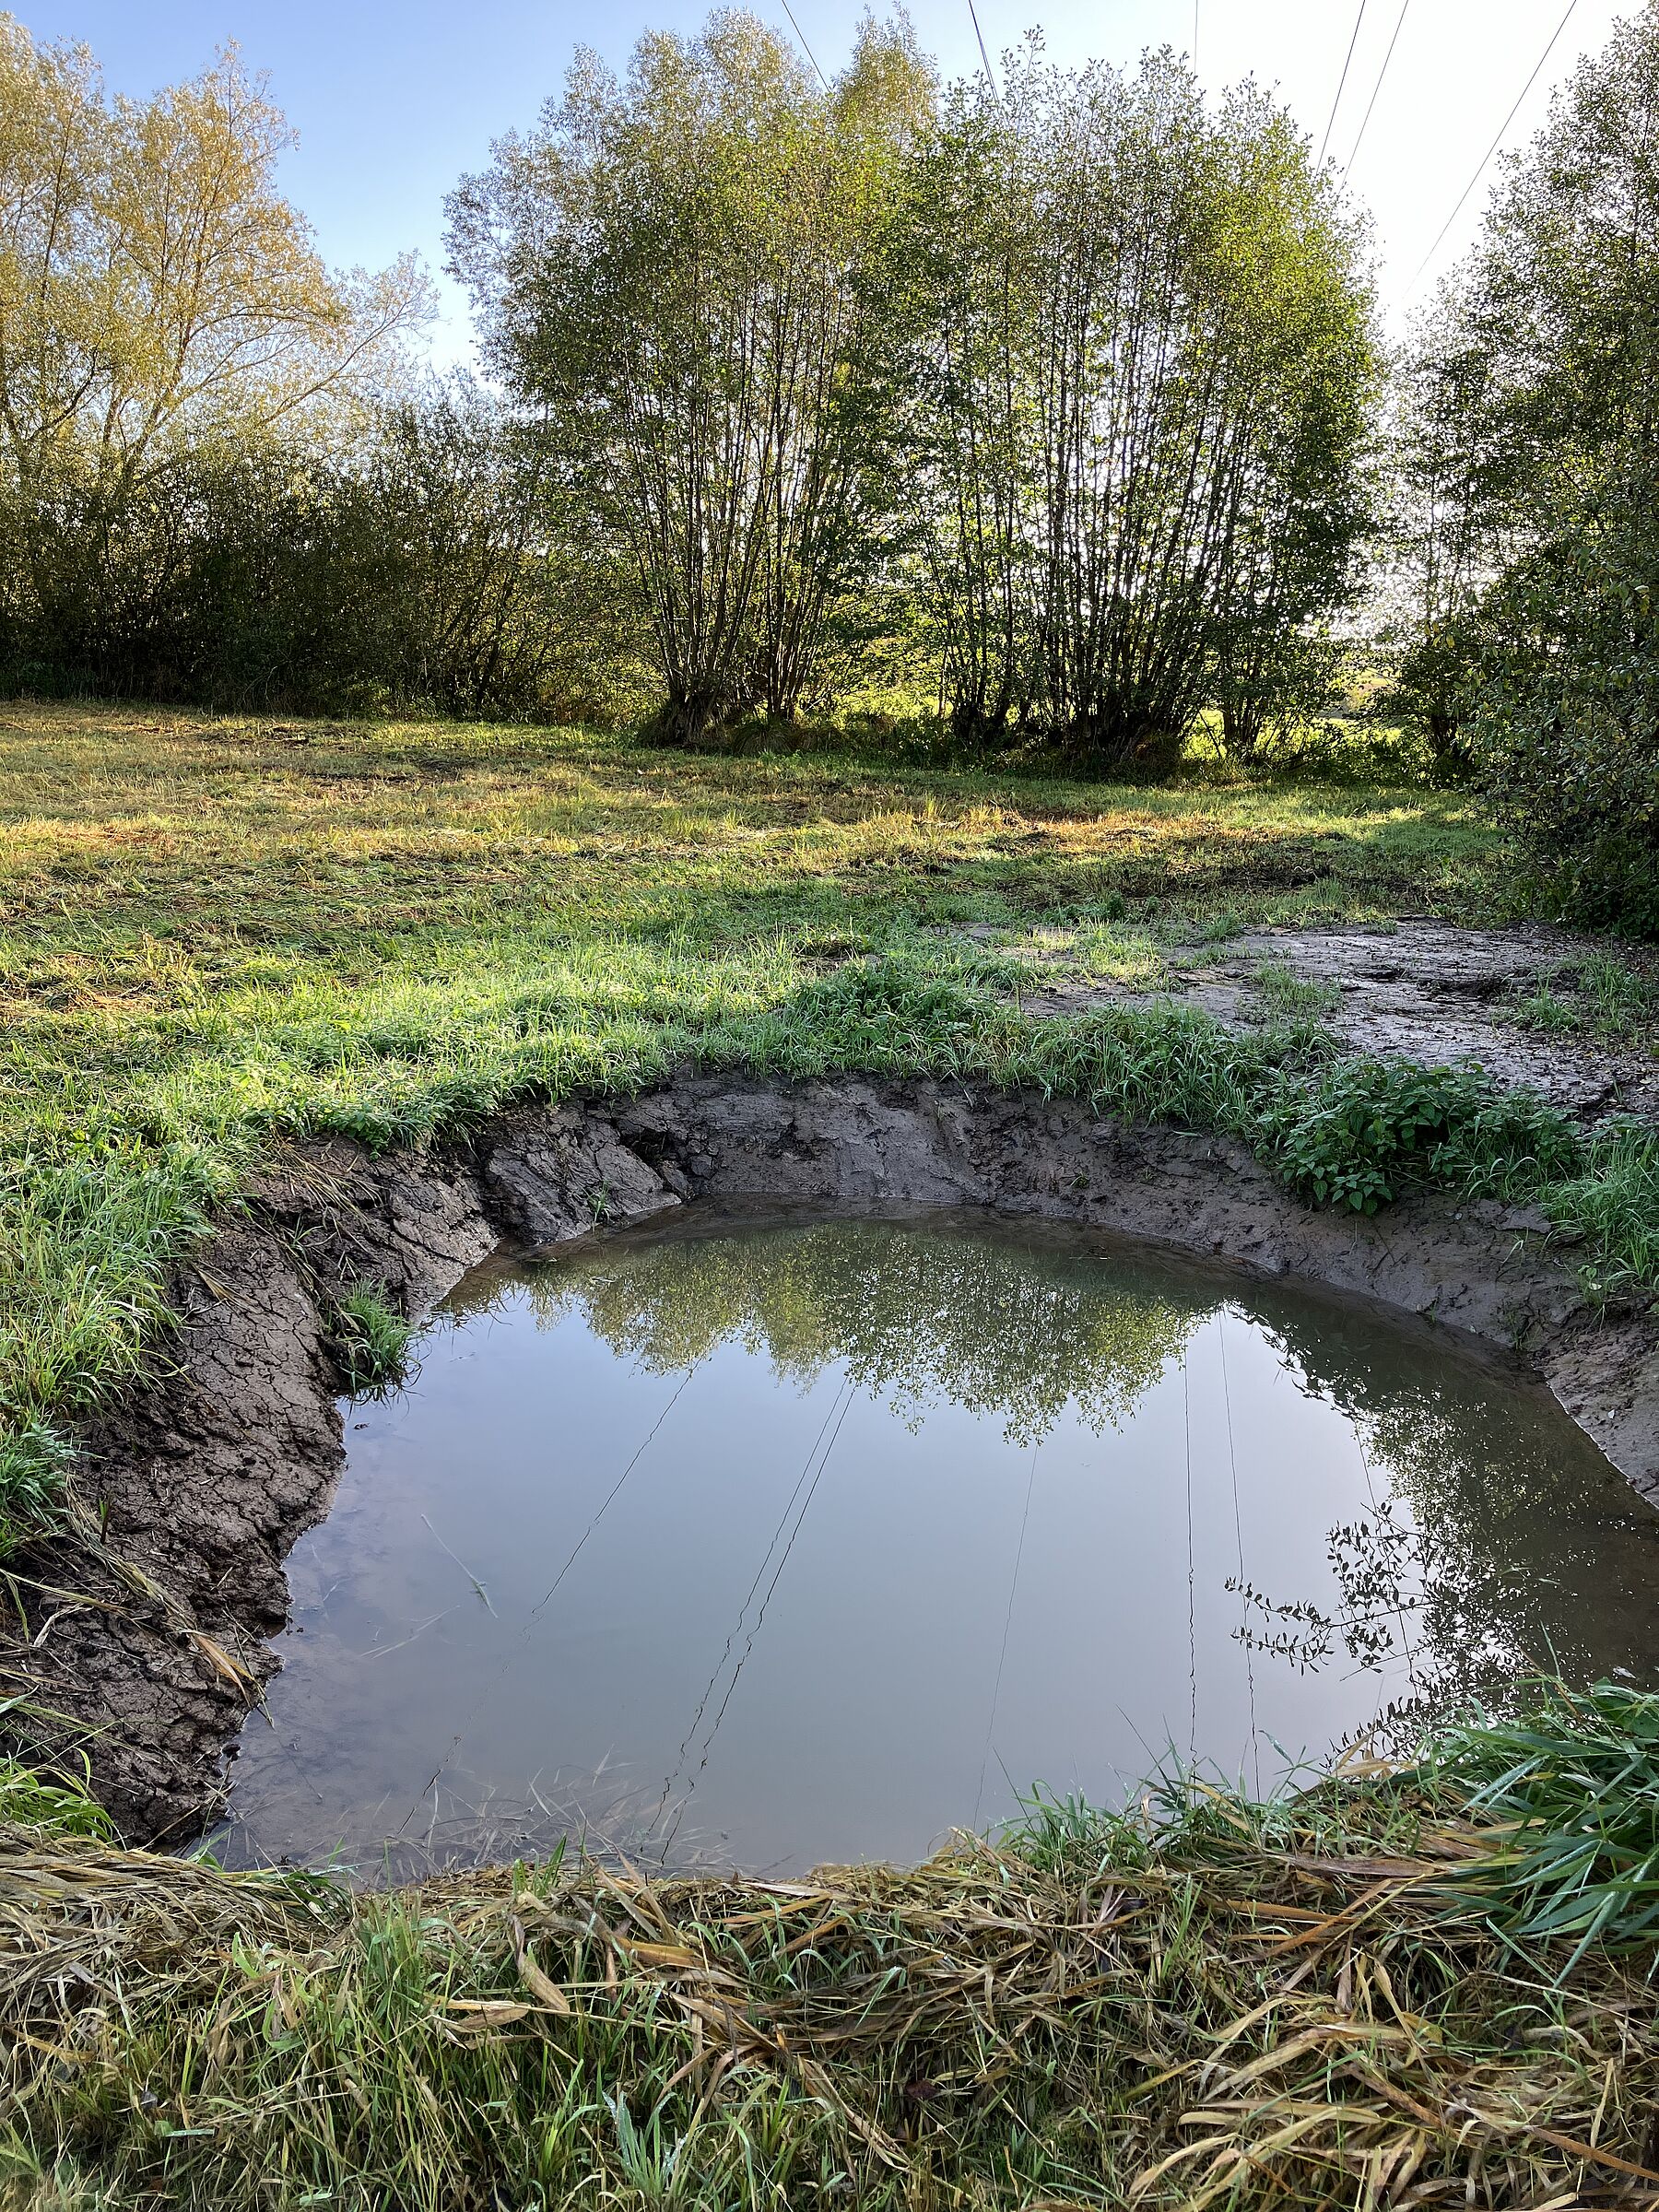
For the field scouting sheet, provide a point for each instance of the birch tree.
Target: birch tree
(158, 296)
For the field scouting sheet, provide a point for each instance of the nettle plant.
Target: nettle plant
(1363, 1130)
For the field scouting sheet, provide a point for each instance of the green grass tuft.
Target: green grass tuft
(34, 1467)
(1573, 1781)
(371, 1341)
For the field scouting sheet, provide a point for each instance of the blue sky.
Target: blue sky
(393, 101)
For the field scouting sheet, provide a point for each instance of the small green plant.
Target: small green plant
(1618, 996)
(50, 1804)
(1600, 995)
(1573, 1779)
(1610, 1199)
(34, 1465)
(1542, 1010)
(1283, 992)
(371, 1341)
(1365, 1129)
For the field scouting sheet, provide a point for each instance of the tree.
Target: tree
(158, 296)
(1141, 370)
(1554, 334)
(677, 270)
(1453, 488)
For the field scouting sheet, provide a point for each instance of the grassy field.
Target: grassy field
(222, 934)
(219, 932)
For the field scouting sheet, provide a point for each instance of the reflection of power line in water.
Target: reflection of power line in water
(1008, 1622)
(838, 1400)
(1376, 1515)
(765, 1602)
(545, 1599)
(1186, 1416)
(1232, 1456)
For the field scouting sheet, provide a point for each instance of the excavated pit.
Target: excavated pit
(205, 1479)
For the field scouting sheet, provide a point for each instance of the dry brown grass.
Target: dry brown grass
(1301, 2007)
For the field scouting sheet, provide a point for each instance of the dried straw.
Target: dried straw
(1312, 2009)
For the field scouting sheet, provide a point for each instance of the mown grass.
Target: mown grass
(1381, 1991)
(218, 934)
(213, 934)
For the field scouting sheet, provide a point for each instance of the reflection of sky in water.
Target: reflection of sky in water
(789, 1544)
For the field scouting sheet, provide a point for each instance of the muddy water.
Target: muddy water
(772, 1542)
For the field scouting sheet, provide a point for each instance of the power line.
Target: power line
(546, 1598)
(1399, 27)
(804, 48)
(1502, 134)
(1002, 1659)
(1341, 82)
(984, 56)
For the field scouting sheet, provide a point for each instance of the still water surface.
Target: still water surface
(772, 1542)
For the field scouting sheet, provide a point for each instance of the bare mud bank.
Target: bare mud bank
(204, 1480)
(1424, 991)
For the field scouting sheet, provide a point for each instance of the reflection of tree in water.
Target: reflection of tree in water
(1490, 1535)
(1496, 1537)
(995, 1326)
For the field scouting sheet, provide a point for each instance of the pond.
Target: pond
(771, 1542)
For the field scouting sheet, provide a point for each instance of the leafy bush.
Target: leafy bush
(1566, 735)
(1365, 1129)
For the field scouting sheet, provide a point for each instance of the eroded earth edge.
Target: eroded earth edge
(204, 1480)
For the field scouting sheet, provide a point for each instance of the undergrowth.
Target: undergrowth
(1381, 1990)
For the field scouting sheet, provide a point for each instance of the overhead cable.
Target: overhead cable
(804, 48)
(1404, 10)
(1502, 134)
(985, 55)
(1341, 81)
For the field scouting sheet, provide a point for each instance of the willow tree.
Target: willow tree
(675, 269)
(1139, 373)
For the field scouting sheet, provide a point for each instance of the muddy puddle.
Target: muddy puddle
(772, 1542)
